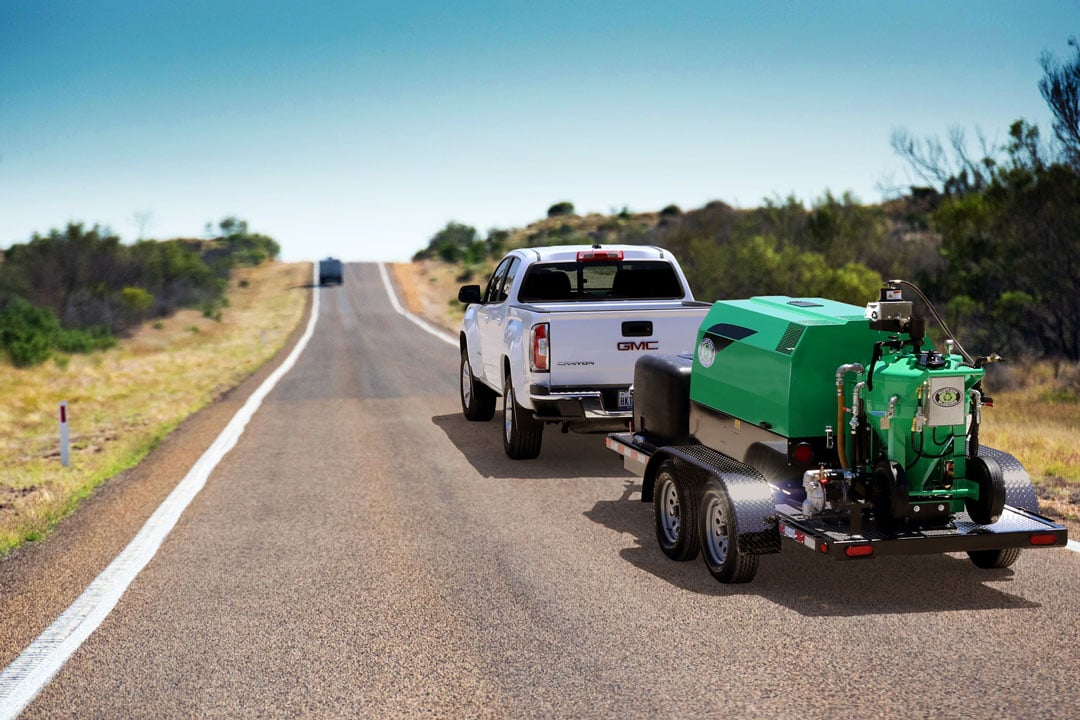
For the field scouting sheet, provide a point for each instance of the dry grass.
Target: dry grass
(429, 289)
(1036, 417)
(124, 401)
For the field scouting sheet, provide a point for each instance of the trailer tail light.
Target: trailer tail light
(803, 453)
(859, 550)
(540, 359)
(1042, 539)
(599, 255)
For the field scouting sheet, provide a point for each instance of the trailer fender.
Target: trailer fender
(751, 497)
(1019, 492)
(648, 478)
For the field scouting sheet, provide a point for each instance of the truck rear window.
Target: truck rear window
(616, 280)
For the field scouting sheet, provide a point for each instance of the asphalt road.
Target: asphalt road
(366, 552)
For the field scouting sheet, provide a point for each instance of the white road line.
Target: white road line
(427, 327)
(1074, 546)
(28, 674)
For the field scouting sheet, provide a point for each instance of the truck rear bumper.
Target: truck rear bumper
(595, 410)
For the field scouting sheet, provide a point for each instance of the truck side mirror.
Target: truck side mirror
(469, 294)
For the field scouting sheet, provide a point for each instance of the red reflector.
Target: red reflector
(823, 548)
(1042, 539)
(859, 550)
(594, 255)
(803, 453)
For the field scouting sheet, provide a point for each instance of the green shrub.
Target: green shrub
(27, 333)
(84, 341)
(136, 302)
(561, 208)
(29, 350)
(211, 309)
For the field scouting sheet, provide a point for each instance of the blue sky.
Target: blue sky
(359, 129)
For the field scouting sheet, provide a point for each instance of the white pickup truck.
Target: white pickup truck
(557, 331)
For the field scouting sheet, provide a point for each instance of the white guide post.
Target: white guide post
(64, 455)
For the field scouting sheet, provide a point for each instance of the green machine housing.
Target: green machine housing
(848, 406)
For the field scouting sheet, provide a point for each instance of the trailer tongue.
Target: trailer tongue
(836, 427)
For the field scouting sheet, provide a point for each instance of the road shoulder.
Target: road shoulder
(38, 581)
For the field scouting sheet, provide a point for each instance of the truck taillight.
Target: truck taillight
(599, 255)
(541, 359)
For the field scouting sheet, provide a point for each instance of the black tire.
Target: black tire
(477, 399)
(675, 502)
(994, 559)
(987, 473)
(522, 433)
(719, 537)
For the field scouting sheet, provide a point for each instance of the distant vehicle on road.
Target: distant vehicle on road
(556, 333)
(330, 271)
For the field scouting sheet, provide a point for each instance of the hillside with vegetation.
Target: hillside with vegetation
(139, 336)
(77, 289)
(992, 236)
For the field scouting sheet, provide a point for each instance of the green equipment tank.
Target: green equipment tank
(852, 407)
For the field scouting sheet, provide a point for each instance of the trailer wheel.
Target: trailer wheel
(719, 537)
(987, 473)
(890, 492)
(522, 433)
(477, 399)
(675, 501)
(993, 559)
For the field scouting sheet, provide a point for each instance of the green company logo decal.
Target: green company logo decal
(948, 397)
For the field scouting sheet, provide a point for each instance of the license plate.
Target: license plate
(626, 400)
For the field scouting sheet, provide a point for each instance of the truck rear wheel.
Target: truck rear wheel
(675, 501)
(522, 433)
(720, 539)
(993, 559)
(477, 399)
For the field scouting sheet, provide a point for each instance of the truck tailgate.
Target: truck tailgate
(599, 345)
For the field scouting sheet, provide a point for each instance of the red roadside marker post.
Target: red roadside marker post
(64, 454)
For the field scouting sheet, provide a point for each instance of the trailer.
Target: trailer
(837, 428)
